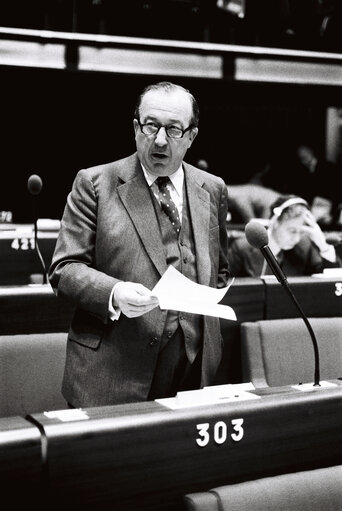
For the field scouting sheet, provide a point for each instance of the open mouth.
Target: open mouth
(159, 156)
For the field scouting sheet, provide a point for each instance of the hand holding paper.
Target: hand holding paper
(177, 292)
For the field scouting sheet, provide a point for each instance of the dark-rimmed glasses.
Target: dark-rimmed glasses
(152, 128)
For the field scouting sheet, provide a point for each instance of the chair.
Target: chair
(311, 490)
(31, 373)
(280, 352)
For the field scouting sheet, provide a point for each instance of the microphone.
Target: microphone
(257, 236)
(34, 186)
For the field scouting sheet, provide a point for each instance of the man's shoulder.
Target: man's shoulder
(115, 167)
(204, 176)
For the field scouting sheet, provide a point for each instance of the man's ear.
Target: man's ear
(135, 126)
(192, 135)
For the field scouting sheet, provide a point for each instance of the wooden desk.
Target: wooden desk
(146, 456)
(254, 299)
(20, 463)
(32, 309)
(35, 309)
(18, 258)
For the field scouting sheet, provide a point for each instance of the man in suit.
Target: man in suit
(115, 243)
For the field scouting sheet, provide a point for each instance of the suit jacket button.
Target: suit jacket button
(153, 341)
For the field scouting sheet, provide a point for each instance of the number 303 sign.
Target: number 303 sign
(218, 433)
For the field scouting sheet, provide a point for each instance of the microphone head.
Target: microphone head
(34, 184)
(256, 234)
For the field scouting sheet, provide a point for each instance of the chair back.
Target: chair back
(311, 490)
(31, 373)
(280, 352)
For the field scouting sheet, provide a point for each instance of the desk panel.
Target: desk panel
(20, 463)
(247, 297)
(32, 309)
(146, 456)
(35, 309)
(18, 258)
(318, 297)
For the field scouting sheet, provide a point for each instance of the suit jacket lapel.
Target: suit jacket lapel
(199, 207)
(135, 195)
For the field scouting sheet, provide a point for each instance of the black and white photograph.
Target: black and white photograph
(171, 255)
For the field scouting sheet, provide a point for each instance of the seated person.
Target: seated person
(295, 239)
(247, 201)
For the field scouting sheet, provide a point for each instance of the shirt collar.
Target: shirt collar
(177, 178)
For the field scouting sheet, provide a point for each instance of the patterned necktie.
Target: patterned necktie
(166, 202)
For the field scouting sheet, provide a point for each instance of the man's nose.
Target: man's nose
(161, 137)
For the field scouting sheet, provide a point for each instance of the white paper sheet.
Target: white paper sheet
(210, 396)
(73, 414)
(308, 387)
(334, 273)
(176, 292)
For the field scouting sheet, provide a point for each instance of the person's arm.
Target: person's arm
(314, 262)
(328, 253)
(326, 250)
(73, 273)
(223, 269)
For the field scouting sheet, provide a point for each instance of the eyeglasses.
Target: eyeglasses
(151, 128)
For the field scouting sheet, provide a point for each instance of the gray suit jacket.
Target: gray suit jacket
(109, 232)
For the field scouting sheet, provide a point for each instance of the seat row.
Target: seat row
(273, 352)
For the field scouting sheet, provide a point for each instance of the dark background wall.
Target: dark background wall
(56, 122)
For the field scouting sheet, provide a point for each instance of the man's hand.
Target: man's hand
(133, 299)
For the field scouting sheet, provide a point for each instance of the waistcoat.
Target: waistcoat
(180, 253)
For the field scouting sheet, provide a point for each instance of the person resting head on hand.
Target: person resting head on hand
(295, 239)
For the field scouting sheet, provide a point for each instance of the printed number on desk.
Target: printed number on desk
(6, 216)
(23, 244)
(219, 433)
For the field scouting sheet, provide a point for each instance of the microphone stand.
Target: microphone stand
(283, 280)
(313, 337)
(36, 245)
